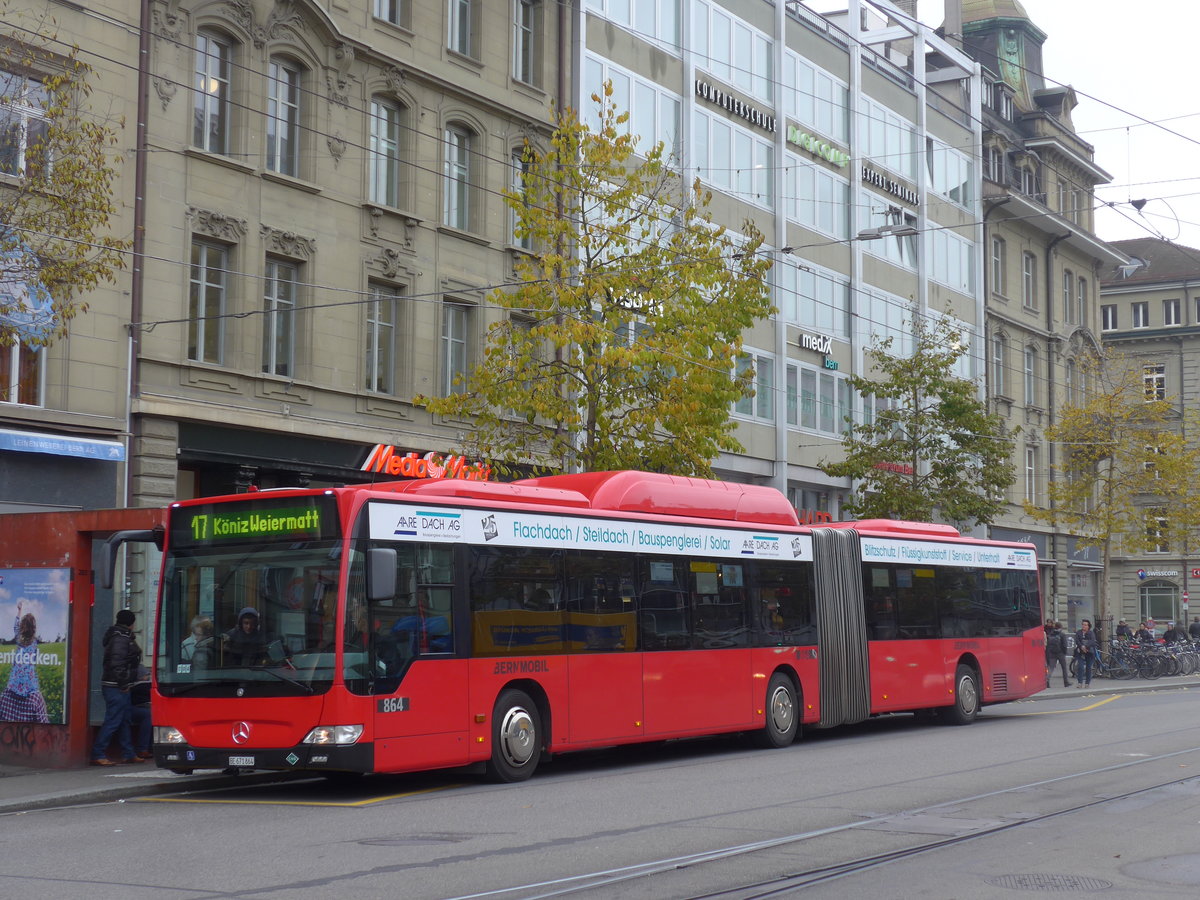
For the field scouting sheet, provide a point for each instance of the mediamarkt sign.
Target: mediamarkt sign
(386, 460)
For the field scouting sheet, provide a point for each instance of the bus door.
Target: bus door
(697, 665)
(402, 654)
(604, 669)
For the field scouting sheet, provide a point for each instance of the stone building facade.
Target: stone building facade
(1150, 311)
(1042, 272)
(314, 188)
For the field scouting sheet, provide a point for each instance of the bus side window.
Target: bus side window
(879, 596)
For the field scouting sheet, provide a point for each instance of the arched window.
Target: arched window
(283, 117)
(210, 110)
(384, 153)
(999, 357)
(459, 166)
(1031, 363)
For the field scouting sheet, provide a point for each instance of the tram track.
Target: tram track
(601, 883)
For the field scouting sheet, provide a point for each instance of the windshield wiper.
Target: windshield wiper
(307, 688)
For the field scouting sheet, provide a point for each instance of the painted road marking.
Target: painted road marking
(347, 803)
(1056, 712)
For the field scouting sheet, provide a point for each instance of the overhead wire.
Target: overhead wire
(437, 173)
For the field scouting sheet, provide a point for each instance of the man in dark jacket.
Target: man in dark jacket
(246, 643)
(1056, 654)
(119, 671)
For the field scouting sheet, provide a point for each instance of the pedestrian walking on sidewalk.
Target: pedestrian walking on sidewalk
(1086, 649)
(1056, 653)
(119, 671)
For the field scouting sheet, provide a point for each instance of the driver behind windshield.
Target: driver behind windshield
(246, 643)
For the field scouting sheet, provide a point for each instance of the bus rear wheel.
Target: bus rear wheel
(966, 698)
(516, 738)
(783, 714)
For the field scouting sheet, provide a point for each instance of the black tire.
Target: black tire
(783, 715)
(516, 738)
(966, 698)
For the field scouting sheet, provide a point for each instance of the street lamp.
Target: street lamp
(902, 229)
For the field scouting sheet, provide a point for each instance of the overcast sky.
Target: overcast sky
(1128, 62)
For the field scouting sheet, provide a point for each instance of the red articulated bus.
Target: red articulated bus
(444, 623)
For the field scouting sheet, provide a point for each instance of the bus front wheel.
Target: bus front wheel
(966, 698)
(516, 738)
(783, 714)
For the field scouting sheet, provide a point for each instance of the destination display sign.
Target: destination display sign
(285, 518)
(402, 522)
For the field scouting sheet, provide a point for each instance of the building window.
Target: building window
(1082, 301)
(653, 21)
(1029, 181)
(463, 27)
(1140, 314)
(1108, 317)
(1068, 296)
(279, 321)
(380, 351)
(210, 112)
(1171, 312)
(817, 199)
(1031, 363)
(999, 355)
(21, 374)
(456, 321)
(1031, 472)
(762, 404)
(527, 41)
(206, 303)
(999, 266)
(457, 211)
(993, 165)
(520, 169)
(1070, 382)
(23, 123)
(1003, 101)
(393, 11)
(654, 112)
(729, 48)
(1154, 381)
(1151, 464)
(383, 167)
(283, 118)
(1029, 280)
(1156, 529)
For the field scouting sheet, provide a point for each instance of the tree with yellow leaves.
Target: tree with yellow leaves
(1126, 471)
(57, 159)
(617, 346)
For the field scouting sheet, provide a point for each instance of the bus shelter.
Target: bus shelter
(47, 572)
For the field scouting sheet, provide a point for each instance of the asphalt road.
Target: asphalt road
(1077, 793)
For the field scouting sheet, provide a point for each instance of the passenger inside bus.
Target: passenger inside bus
(246, 643)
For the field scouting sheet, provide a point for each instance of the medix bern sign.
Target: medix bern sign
(384, 458)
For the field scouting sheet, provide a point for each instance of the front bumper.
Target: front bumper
(305, 757)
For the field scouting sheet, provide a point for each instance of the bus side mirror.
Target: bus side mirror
(381, 574)
(108, 555)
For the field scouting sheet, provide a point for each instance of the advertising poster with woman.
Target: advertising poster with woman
(33, 654)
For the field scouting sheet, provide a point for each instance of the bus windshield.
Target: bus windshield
(249, 598)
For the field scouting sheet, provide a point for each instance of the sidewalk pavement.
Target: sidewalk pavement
(23, 789)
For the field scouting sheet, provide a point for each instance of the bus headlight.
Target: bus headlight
(165, 734)
(333, 734)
